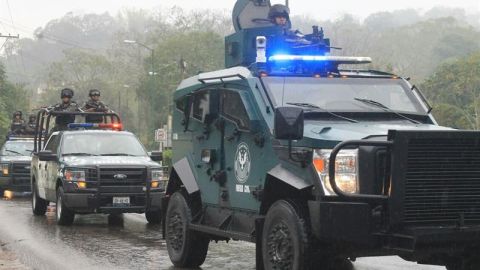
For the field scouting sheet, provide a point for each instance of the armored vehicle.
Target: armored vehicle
(15, 157)
(94, 168)
(315, 163)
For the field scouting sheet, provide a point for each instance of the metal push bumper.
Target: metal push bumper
(357, 224)
(428, 203)
(91, 203)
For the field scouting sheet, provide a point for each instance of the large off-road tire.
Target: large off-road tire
(39, 205)
(64, 215)
(468, 263)
(285, 238)
(154, 217)
(186, 248)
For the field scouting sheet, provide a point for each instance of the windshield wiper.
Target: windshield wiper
(78, 154)
(119, 154)
(385, 108)
(317, 108)
(12, 151)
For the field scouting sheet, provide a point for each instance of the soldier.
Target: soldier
(30, 126)
(18, 124)
(67, 105)
(94, 105)
(280, 15)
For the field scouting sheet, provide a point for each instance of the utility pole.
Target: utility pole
(7, 37)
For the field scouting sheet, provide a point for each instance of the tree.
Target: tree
(455, 89)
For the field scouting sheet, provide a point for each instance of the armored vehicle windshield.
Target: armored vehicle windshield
(344, 94)
(102, 144)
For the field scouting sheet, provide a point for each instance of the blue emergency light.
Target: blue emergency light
(113, 126)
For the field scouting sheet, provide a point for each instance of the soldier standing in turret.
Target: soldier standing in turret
(67, 105)
(94, 105)
(279, 15)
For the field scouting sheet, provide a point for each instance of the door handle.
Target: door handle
(46, 166)
(236, 134)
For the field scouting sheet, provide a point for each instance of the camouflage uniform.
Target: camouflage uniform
(94, 106)
(62, 121)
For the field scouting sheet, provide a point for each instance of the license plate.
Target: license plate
(121, 201)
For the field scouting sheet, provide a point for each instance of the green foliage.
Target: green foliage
(455, 90)
(12, 98)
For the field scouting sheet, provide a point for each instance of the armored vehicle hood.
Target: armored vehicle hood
(341, 131)
(75, 161)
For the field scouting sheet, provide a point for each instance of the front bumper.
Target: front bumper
(8, 183)
(366, 233)
(94, 203)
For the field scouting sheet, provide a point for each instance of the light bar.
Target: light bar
(320, 58)
(114, 126)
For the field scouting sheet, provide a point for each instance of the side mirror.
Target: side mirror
(156, 156)
(288, 123)
(47, 155)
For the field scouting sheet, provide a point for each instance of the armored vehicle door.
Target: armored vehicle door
(206, 143)
(47, 170)
(243, 155)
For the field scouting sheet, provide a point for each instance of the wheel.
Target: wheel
(468, 263)
(285, 238)
(186, 248)
(39, 205)
(64, 215)
(154, 217)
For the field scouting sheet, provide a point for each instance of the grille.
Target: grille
(21, 173)
(133, 177)
(442, 181)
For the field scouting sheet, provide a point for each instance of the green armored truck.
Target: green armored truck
(314, 163)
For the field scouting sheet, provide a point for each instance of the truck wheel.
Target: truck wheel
(154, 217)
(285, 238)
(39, 205)
(64, 215)
(186, 248)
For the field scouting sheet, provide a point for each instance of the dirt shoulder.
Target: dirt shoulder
(9, 261)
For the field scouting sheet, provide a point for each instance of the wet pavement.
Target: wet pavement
(94, 242)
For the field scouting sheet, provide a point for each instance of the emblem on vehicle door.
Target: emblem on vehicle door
(120, 176)
(242, 163)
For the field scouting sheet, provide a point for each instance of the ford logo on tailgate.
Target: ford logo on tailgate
(120, 176)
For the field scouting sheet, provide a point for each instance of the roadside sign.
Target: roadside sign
(161, 135)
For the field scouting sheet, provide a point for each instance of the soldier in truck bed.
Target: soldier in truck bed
(18, 124)
(67, 105)
(94, 105)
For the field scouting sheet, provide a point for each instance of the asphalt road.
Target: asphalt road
(129, 243)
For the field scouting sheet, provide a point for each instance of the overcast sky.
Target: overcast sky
(30, 14)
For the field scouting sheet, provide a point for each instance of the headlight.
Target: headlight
(74, 176)
(346, 172)
(159, 180)
(5, 168)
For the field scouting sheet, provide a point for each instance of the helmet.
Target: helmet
(19, 113)
(32, 117)
(278, 10)
(66, 92)
(94, 92)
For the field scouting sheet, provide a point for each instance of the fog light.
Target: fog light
(8, 195)
(155, 184)
(81, 184)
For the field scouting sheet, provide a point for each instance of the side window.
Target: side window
(52, 144)
(233, 109)
(201, 105)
